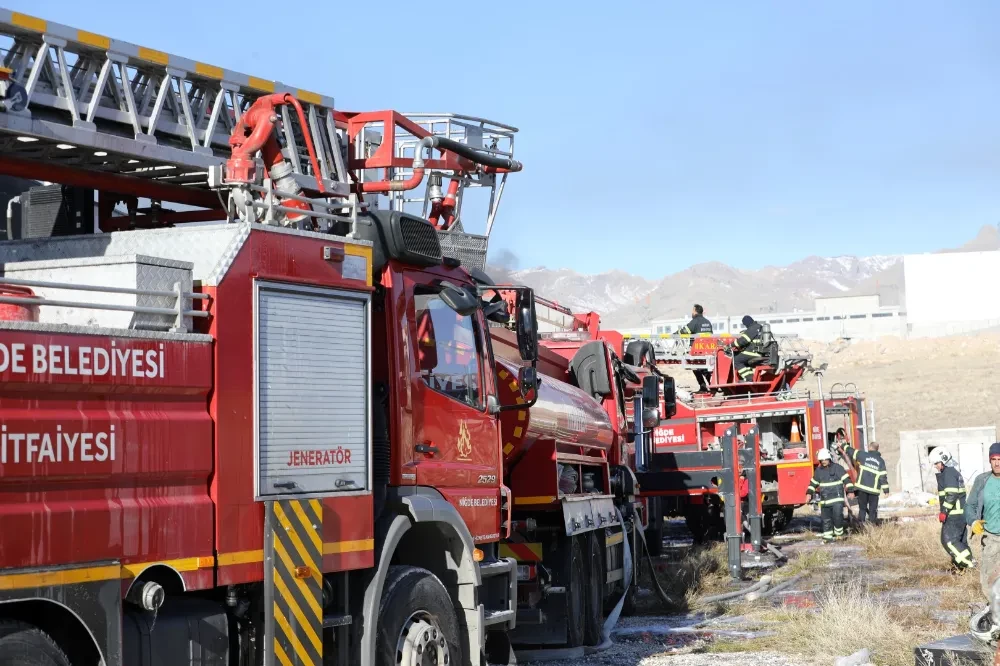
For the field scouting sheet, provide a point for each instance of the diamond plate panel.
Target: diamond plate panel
(470, 249)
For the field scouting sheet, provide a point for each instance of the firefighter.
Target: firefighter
(982, 513)
(699, 324)
(952, 500)
(829, 483)
(748, 348)
(872, 478)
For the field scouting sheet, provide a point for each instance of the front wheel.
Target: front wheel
(417, 625)
(24, 645)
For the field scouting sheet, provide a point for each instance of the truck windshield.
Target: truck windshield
(446, 349)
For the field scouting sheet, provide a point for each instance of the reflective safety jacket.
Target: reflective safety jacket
(951, 491)
(829, 483)
(749, 341)
(872, 475)
(697, 325)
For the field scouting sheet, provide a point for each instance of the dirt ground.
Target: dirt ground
(919, 384)
(885, 590)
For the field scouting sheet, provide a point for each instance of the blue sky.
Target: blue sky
(656, 135)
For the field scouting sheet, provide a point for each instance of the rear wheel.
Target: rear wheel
(417, 624)
(595, 590)
(705, 521)
(575, 580)
(24, 645)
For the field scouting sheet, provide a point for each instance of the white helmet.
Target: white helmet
(823, 454)
(939, 455)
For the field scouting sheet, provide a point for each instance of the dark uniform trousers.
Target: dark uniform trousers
(952, 496)
(829, 483)
(872, 479)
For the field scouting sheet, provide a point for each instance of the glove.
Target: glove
(941, 517)
(979, 526)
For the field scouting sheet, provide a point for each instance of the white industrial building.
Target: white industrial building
(944, 294)
(856, 317)
(951, 293)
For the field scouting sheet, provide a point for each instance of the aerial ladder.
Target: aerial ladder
(135, 123)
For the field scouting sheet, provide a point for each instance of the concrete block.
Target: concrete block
(970, 446)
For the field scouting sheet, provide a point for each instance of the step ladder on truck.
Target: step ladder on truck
(309, 430)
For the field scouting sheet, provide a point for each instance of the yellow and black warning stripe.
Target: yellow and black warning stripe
(294, 581)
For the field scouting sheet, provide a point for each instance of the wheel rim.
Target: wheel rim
(422, 643)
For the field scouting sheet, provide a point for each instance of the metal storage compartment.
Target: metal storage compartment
(312, 390)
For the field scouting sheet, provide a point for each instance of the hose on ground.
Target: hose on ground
(665, 598)
(756, 587)
(778, 588)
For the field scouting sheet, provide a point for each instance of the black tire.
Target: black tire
(575, 580)
(768, 522)
(654, 533)
(787, 513)
(694, 518)
(24, 645)
(414, 600)
(706, 522)
(594, 629)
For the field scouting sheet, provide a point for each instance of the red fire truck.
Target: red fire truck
(789, 426)
(310, 432)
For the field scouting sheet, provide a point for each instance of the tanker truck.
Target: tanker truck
(575, 515)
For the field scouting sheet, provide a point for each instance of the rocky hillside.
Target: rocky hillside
(628, 300)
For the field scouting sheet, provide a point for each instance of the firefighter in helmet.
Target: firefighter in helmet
(952, 500)
(748, 348)
(830, 483)
(872, 476)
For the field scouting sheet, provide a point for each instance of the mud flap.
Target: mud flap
(563, 654)
(293, 583)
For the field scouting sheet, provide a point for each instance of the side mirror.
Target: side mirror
(650, 418)
(459, 300)
(527, 326)
(669, 397)
(651, 392)
(527, 380)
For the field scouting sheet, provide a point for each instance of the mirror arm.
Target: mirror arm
(525, 405)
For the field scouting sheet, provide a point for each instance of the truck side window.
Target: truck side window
(446, 349)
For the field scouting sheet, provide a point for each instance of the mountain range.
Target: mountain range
(626, 300)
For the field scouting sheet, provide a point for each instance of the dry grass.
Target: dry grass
(852, 613)
(816, 559)
(848, 617)
(703, 571)
(913, 549)
(919, 540)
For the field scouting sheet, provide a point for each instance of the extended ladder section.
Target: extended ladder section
(86, 110)
(83, 100)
